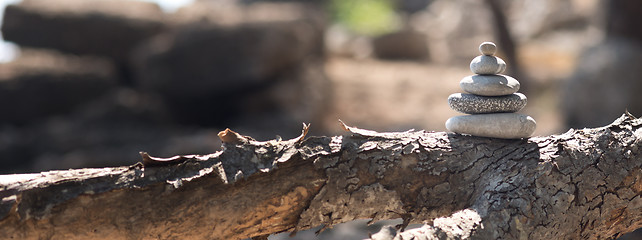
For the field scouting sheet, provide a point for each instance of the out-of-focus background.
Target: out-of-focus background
(90, 83)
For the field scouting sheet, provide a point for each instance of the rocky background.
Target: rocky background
(98, 81)
(95, 82)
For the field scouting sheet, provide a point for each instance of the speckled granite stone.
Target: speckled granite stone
(474, 104)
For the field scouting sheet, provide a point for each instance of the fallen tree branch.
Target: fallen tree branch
(580, 184)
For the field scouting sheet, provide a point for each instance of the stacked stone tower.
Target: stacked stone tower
(491, 101)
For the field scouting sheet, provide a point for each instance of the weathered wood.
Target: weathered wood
(581, 184)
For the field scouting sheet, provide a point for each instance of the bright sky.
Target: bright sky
(9, 51)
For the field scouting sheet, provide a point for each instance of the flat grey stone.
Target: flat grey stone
(489, 85)
(487, 65)
(495, 125)
(488, 48)
(474, 104)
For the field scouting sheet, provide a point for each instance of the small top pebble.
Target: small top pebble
(488, 48)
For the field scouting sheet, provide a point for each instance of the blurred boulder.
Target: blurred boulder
(606, 82)
(340, 41)
(209, 67)
(449, 25)
(232, 13)
(216, 65)
(109, 28)
(533, 19)
(304, 94)
(608, 78)
(405, 44)
(623, 19)
(109, 131)
(210, 60)
(41, 83)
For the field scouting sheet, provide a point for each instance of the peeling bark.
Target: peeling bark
(583, 184)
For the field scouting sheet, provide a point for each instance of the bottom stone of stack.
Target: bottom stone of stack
(496, 125)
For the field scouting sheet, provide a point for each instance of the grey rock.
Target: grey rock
(487, 65)
(605, 82)
(208, 59)
(42, 83)
(489, 85)
(495, 125)
(231, 13)
(246, 62)
(488, 48)
(108, 28)
(474, 104)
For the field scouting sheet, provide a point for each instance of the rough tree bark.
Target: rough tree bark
(583, 184)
